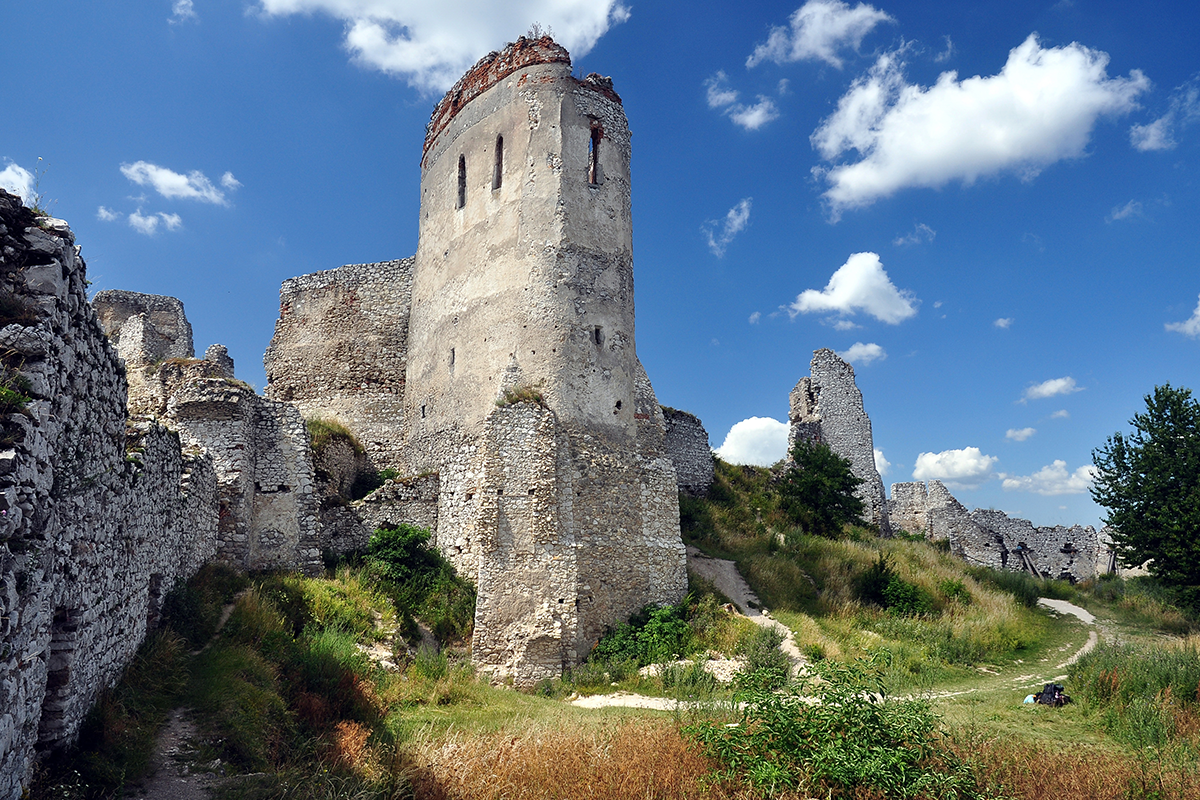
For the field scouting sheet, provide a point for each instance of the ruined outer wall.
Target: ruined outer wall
(524, 277)
(687, 446)
(340, 351)
(92, 534)
(828, 407)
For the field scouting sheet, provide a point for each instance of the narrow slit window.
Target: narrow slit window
(598, 336)
(498, 167)
(462, 181)
(594, 156)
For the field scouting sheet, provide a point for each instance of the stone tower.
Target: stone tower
(563, 510)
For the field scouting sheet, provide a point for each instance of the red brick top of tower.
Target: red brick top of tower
(495, 67)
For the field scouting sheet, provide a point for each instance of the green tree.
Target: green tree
(1149, 481)
(817, 492)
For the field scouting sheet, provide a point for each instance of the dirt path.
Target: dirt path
(172, 775)
(1085, 616)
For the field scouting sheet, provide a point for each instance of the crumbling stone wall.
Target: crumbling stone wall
(827, 407)
(97, 520)
(993, 539)
(268, 507)
(687, 446)
(340, 349)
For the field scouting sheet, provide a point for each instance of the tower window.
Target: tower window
(598, 336)
(594, 155)
(462, 181)
(498, 167)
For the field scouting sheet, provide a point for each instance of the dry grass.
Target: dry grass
(626, 760)
(1027, 771)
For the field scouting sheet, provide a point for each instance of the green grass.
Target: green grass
(323, 431)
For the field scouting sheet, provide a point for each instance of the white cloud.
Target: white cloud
(1004, 323)
(1062, 413)
(842, 325)
(170, 184)
(1131, 209)
(1019, 435)
(1039, 109)
(182, 11)
(959, 469)
(861, 284)
(882, 465)
(1051, 388)
(105, 214)
(921, 233)
(17, 180)
(864, 354)
(718, 92)
(229, 182)
(1051, 480)
(754, 117)
(761, 441)
(736, 220)
(817, 31)
(148, 223)
(755, 317)
(431, 44)
(946, 54)
(1189, 327)
(1183, 111)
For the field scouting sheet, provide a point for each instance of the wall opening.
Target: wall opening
(598, 336)
(60, 658)
(498, 166)
(462, 182)
(451, 360)
(594, 155)
(154, 603)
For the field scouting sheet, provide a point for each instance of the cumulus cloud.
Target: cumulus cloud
(721, 96)
(959, 469)
(921, 233)
(720, 233)
(817, 31)
(1131, 209)
(431, 44)
(761, 441)
(17, 180)
(105, 214)
(182, 11)
(754, 117)
(229, 182)
(755, 317)
(882, 465)
(1051, 480)
(1160, 134)
(861, 284)
(148, 223)
(1051, 388)
(1062, 413)
(1039, 109)
(864, 354)
(1019, 435)
(1189, 327)
(1004, 323)
(170, 184)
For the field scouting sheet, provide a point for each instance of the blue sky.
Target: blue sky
(992, 208)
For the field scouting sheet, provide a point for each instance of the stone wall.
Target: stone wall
(828, 407)
(340, 350)
(687, 446)
(993, 539)
(260, 448)
(97, 520)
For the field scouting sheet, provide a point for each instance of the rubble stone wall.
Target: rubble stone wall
(340, 350)
(827, 407)
(97, 520)
(687, 446)
(993, 539)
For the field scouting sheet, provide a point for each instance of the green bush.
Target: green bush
(818, 491)
(653, 635)
(767, 667)
(421, 582)
(835, 732)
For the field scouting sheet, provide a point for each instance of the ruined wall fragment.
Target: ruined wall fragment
(686, 443)
(827, 407)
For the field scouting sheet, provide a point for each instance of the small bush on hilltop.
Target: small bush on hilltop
(817, 493)
(421, 582)
(836, 733)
